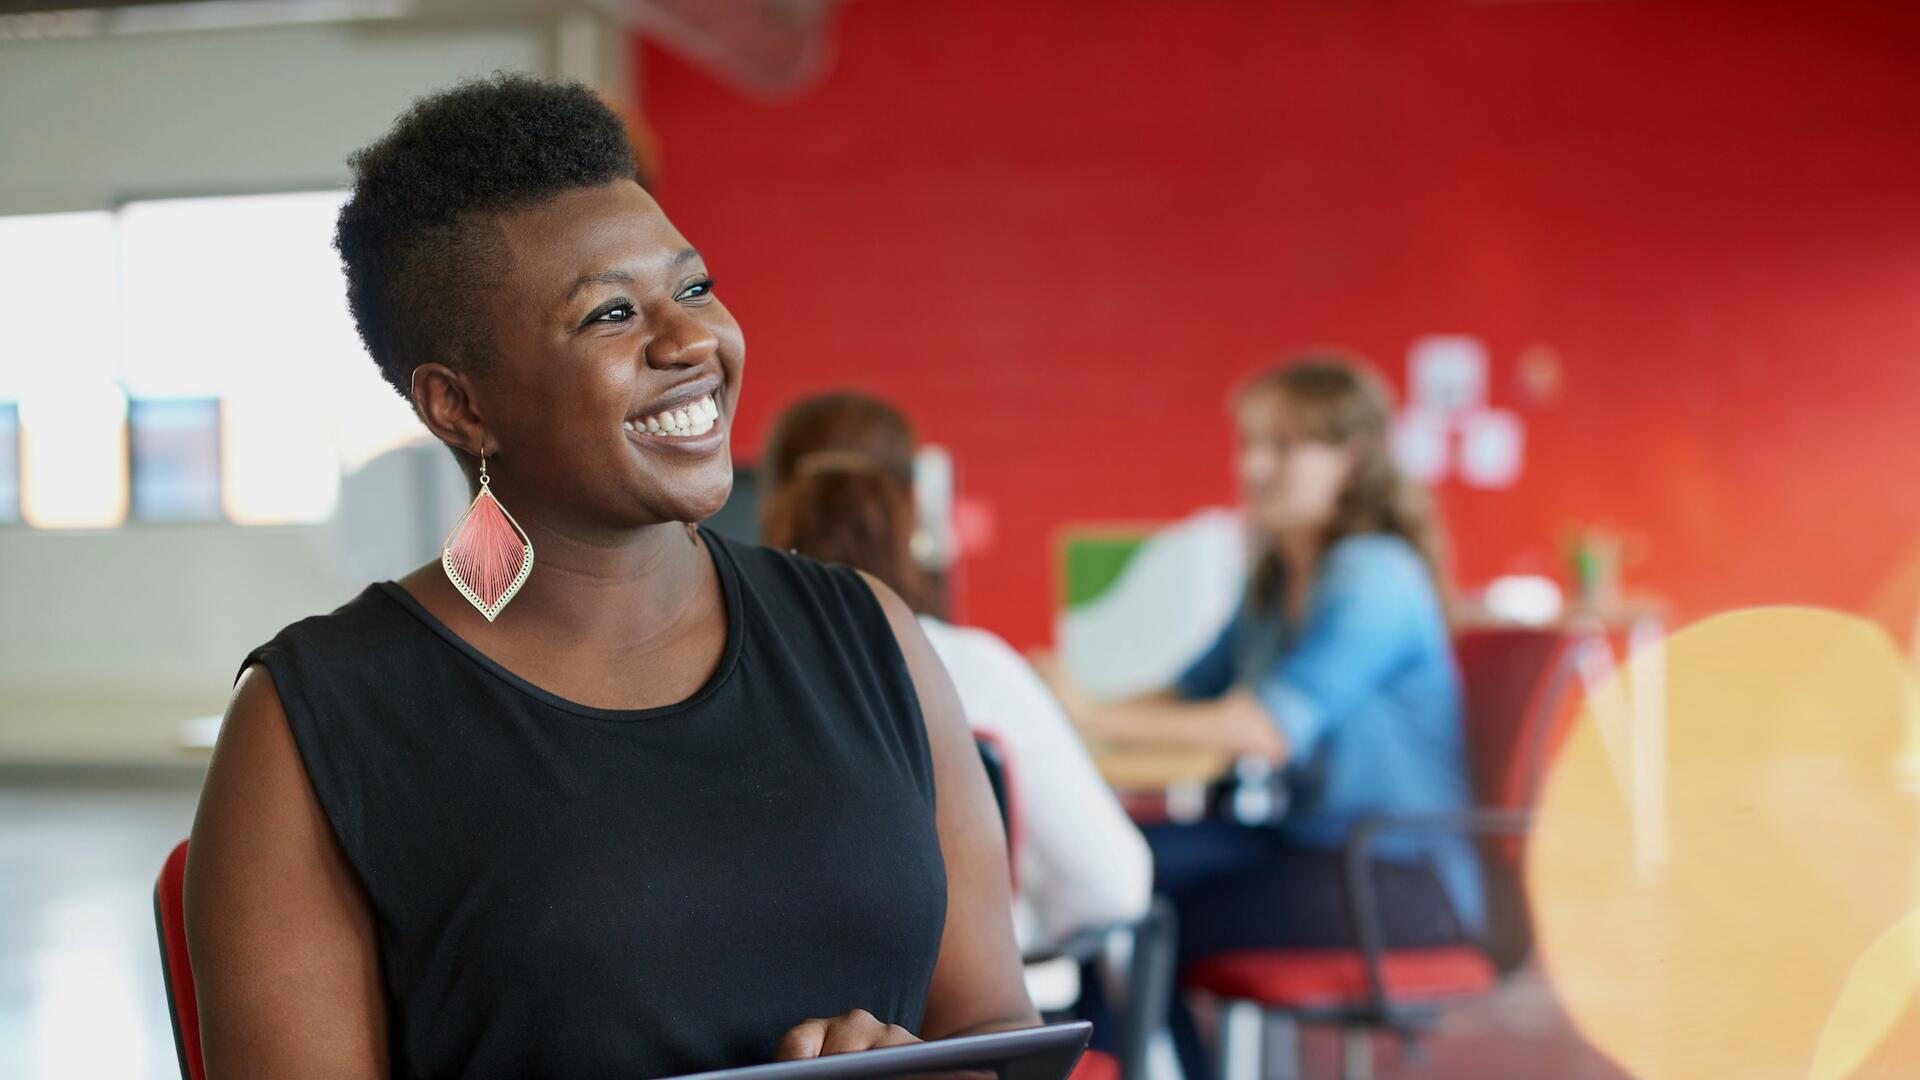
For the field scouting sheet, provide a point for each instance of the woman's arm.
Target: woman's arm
(1234, 722)
(285, 967)
(1201, 710)
(977, 982)
(1356, 632)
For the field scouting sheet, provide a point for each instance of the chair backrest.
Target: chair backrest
(1516, 683)
(993, 757)
(169, 916)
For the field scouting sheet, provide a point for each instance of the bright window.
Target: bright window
(73, 454)
(219, 328)
(175, 458)
(59, 301)
(59, 354)
(9, 462)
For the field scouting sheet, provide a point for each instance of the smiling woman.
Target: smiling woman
(674, 801)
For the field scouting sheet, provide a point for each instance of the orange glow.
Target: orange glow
(1751, 922)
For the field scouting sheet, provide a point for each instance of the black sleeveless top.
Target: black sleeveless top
(567, 891)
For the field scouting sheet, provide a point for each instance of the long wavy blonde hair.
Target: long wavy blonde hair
(1338, 400)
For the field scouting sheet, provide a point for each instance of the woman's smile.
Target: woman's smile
(684, 420)
(695, 428)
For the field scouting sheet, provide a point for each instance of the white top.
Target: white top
(1082, 861)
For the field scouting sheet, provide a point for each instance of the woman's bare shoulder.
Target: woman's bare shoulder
(279, 929)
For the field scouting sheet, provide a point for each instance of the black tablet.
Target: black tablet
(1038, 1053)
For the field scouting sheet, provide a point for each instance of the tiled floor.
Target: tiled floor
(80, 993)
(1518, 1033)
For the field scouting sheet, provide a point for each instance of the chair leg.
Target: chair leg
(1280, 1047)
(1240, 1039)
(1356, 1054)
(1163, 1058)
(1150, 988)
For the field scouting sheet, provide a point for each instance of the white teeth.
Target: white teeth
(628, 425)
(694, 419)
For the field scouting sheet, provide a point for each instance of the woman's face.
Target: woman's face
(618, 371)
(1288, 480)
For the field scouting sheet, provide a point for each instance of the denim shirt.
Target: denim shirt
(1368, 697)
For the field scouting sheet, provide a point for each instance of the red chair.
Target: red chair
(169, 915)
(994, 759)
(1515, 685)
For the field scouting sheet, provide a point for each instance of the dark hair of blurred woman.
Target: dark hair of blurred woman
(839, 506)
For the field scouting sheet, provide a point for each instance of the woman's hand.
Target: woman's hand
(1234, 723)
(857, 1030)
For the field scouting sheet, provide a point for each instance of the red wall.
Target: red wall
(1058, 232)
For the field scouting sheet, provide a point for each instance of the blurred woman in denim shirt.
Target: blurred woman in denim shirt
(1338, 667)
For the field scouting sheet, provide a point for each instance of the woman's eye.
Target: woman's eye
(618, 313)
(697, 290)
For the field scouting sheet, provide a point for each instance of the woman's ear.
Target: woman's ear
(443, 400)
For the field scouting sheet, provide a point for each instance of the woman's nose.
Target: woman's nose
(683, 341)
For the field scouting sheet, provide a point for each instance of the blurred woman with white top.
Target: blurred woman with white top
(838, 471)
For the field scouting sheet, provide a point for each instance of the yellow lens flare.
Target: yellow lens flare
(1723, 894)
(1878, 992)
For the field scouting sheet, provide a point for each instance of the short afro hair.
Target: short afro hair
(416, 236)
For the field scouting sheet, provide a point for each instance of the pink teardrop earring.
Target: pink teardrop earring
(487, 556)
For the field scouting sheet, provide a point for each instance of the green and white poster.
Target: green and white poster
(1140, 603)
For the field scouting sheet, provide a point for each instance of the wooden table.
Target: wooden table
(1156, 768)
(1159, 784)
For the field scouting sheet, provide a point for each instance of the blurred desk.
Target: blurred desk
(1156, 768)
(1635, 612)
(1180, 785)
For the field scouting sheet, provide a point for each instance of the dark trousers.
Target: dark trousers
(1243, 887)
